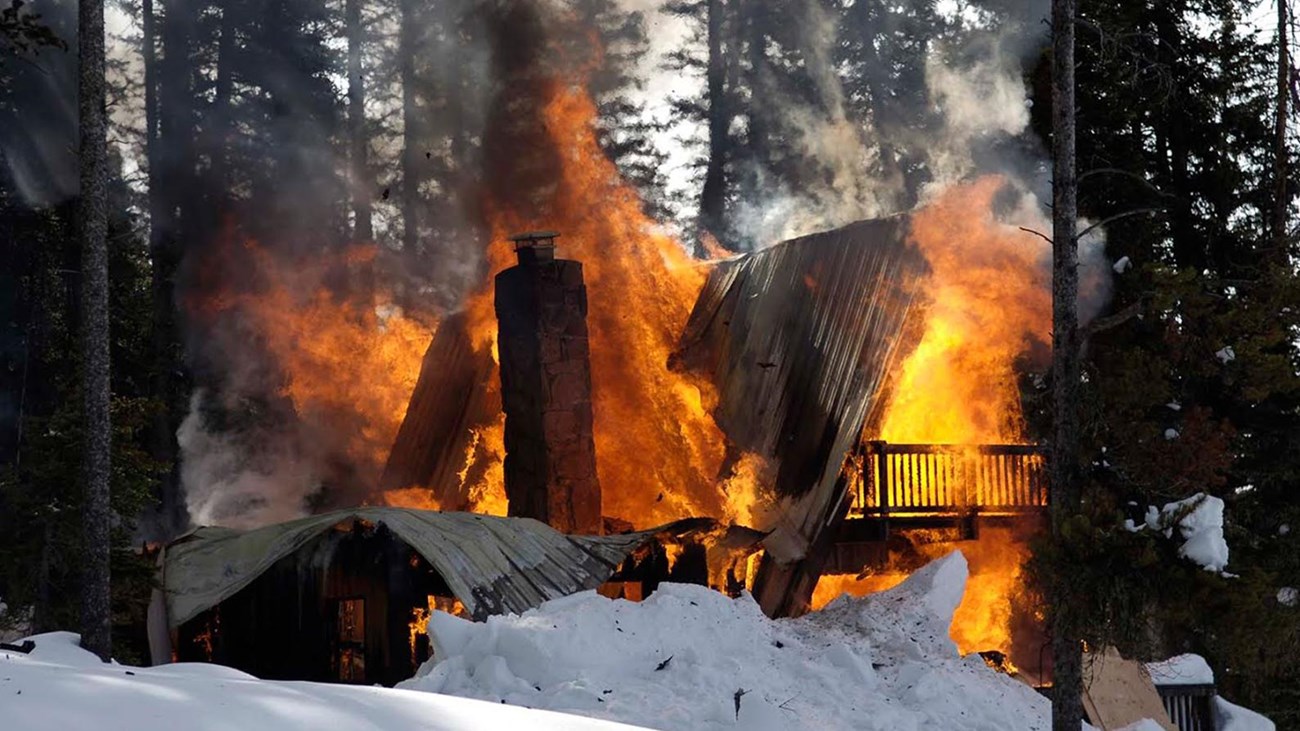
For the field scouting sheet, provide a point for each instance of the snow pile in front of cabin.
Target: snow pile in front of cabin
(60, 686)
(691, 658)
(1231, 717)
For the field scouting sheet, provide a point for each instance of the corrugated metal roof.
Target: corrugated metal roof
(798, 339)
(493, 565)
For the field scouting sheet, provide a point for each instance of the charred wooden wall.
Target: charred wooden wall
(284, 625)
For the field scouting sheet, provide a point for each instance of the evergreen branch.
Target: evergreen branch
(1112, 219)
(1110, 322)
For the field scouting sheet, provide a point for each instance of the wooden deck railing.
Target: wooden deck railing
(894, 479)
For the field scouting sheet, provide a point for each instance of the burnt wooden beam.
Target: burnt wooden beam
(450, 399)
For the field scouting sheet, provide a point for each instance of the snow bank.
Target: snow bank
(1145, 724)
(690, 658)
(1230, 717)
(1186, 669)
(60, 686)
(1201, 529)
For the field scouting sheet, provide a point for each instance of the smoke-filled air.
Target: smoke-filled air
(312, 274)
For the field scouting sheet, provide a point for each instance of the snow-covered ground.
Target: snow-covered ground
(691, 658)
(60, 687)
(686, 658)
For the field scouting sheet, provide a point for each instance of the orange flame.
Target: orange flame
(987, 303)
(349, 363)
(419, 624)
(987, 306)
(986, 618)
(658, 449)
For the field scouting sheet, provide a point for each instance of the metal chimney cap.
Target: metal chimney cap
(535, 238)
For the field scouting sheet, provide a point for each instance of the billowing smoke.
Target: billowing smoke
(38, 113)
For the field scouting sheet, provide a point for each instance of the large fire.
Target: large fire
(987, 306)
(991, 615)
(346, 362)
(659, 451)
(660, 455)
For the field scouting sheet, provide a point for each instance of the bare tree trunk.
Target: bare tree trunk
(168, 517)
(362, 229)
(149, 51)
(223, 124)
(410, 173)
(1067, 655)
(1280, 201)
(713, 194)
(96, 627)
(41, 611)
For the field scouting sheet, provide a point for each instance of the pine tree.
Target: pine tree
(96, 619)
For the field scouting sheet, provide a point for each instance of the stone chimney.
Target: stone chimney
(550, 465)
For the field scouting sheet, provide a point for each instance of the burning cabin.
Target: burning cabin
(341, 596)
(801, 341)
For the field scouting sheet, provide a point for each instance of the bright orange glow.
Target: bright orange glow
(419, 624)
(348, 364)
(417, 498)
(658, 450)
(744, 502)
(986, 306)
(986, 302)
(984, 619)
(487, 494)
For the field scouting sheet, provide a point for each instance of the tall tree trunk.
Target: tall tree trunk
(223, 119)
(96, 618)
(713, 195)
(1280, 201)
(182, 197)
(1190, 247)
(168, 518)
(410, 200)
(362, 229)
(1067, 655)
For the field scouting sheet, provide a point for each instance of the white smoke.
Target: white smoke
(980, 102)
(228, 484)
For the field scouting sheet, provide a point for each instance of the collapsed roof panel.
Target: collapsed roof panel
(449, 400)
(798, 339)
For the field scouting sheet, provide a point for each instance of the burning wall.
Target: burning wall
(986, 320)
